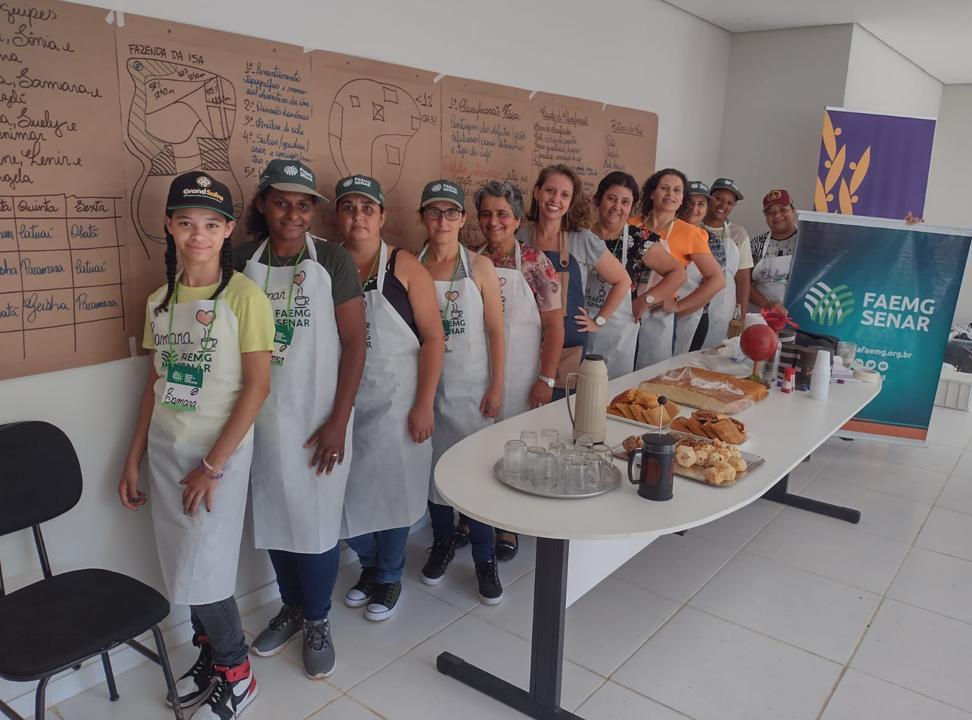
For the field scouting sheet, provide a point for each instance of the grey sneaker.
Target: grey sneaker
(361, 593)
(318, 653)
(383, 601)
(278, 632)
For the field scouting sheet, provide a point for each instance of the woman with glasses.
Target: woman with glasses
(470, 391)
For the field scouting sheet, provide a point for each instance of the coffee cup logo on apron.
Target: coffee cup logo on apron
(185, 371)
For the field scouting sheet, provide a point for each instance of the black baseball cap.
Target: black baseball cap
(697, 187)
(359, 185)
(727, 184)
(198, 189)
(444, 190)
(289, 176)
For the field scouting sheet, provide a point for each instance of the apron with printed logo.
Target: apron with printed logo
(294, 508)
(389, 481)
(465, 368)
(617, 340)
(522, 330)
(723, 305)
(772, 273)
(199, 554)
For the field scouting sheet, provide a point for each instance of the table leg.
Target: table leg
(547, 652)
(778, 493)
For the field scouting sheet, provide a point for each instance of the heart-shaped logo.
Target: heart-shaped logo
(452, 295)
(299, 278)
(205, 317)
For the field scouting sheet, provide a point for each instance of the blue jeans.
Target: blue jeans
(443, 521)
(306, 580)
(384, 550)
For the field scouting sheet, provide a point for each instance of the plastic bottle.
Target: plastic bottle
(788, 379)
(820, 377)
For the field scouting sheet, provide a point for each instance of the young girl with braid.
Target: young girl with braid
(210, 332)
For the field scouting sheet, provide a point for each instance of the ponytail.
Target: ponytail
(170, 271)
(225, 265)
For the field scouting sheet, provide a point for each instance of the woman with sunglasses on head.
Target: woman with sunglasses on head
(303, 452)
(653, 272)
(210, 332)
(470, 391)
(388, 488)
(559, 214)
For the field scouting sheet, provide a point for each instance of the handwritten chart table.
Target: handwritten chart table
(60, 267)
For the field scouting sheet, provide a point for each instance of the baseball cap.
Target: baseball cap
(776, 197)
(197, 189)
(359, 185)
(727, 184)
(697, 187)
(444, 190)
(289, 176)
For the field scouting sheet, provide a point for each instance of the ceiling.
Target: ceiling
(936, 35)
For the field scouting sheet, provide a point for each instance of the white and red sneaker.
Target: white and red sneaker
(235, 689)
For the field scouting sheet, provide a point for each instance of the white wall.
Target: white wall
(779, 83)
(882, 80)
(950, 182)
(639, 53)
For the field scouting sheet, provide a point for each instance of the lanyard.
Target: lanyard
(175, 299)
(446, 325)
(266, 281)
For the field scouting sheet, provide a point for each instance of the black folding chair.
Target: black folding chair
(59, 622)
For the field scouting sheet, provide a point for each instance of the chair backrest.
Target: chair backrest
(40, 476)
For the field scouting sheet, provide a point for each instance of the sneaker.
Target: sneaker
(441, 553)
(318, 653)
(363, 589)
(490, 588)
(278, 632)
(196, 684)
(384, 601)
(235, 689)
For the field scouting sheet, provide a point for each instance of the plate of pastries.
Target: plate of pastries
(643, 408)
(712, 425)
(713, 462)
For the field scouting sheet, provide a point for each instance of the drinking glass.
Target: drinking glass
(536, 465)
(514, 460)
(583, 442)
(529, 437)
(548, 437)
(593, 470)
(603, 451)
(555, 448)
(573, 474)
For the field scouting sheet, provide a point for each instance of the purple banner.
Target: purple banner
(875, 165)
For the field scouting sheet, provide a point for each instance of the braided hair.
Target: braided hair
(171, 265)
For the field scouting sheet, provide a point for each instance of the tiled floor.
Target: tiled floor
(768, 613)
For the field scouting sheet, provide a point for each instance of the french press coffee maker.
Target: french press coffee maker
(656, 477)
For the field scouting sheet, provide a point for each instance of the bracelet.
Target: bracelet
(210, 471)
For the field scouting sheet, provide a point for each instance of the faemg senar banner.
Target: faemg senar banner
(891, 288)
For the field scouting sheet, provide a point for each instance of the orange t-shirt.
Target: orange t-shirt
(683, 239)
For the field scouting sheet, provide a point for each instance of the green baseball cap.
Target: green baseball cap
(444, 190)
(359, 185)
(697, 187)
(289, 176)
(727, 184)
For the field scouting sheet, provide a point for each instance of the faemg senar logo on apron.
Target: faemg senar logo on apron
(827, 305)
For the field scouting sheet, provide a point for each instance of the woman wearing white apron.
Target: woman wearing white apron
(617, 341)
(532, 314)
(557, 221)
(727, 255)
(302, 448)
(470, 391)
(662, 197)
(210, 331)
(773, 251)
(393, 419)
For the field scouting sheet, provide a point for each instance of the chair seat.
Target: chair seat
(60, 621)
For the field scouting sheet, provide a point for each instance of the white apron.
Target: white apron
(616, 341)
(522, 330)
(389, 481)
(723, 305)
(294, 509)
(655, 329)
(686, 326)
(465, 368)
(771, 274)
(198, 554)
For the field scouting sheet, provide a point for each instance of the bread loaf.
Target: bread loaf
(706, 389)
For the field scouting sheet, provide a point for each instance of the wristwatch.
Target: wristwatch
(548, 381)
(600, 321)
(649, 299)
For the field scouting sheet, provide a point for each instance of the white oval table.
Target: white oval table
(784, 429)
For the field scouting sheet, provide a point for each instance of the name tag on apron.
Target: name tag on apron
(282, 337)
(182, 386)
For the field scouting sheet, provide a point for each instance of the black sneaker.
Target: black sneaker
(383, 601)
(363, 589)
(490, 588)
(235, 689)
(441, 553)
(197, 682)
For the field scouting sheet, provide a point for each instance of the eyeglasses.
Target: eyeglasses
(434, 213)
